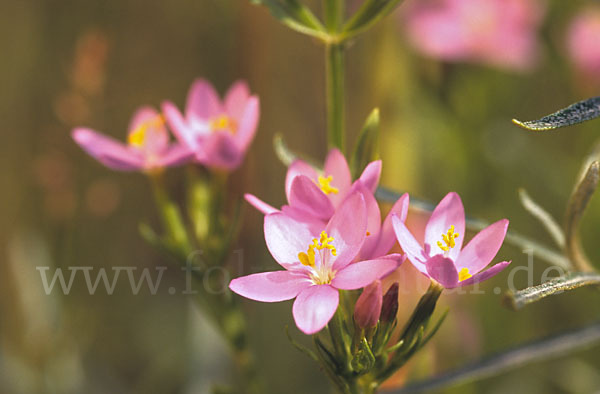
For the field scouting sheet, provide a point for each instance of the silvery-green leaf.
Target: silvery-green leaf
(577, 204)
(579, 112)
(573, 280)
(543, 217)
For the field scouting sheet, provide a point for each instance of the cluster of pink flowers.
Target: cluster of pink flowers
(582, 42)
(212, 132)
(330, 237)
(500, 33)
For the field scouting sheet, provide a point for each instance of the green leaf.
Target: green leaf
(578, 202)
(579, 112)
(300, 347)
(367, 15)
(518, 299)
(366, 146)
(295, 16)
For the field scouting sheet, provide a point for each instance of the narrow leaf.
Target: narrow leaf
(518, 299)
(579, 112)
(543, 217)
(366, 146)
(367, 15)
(577, 204)
(295, 16)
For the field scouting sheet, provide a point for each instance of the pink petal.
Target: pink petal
(306, 196)
(373, 222)
(337, 166)
(348, 227)
(108, 151)
(175, 155)
(360, 274)
(260, 204)
(484, 275)
(409, 245)
(314, 307)
(141, 115)
(480, 251)
(203, 102)
(298, 167)
(387, 237)
(449, 212)
(236, 98)
(221, 151)
(370, 175)
(442, 269)
(179, 126)
(286, 237)
(270, 286)
(248, 123)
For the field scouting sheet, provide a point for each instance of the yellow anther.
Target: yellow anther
(464, 274)
(325, 185)
(137, 137)
(223, 122)
(323, 242)
(448, 239)
(368, 233)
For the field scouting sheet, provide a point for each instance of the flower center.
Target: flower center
(223, 123)
(464, 274)
(137, 137)
(448, 239)
(325, 185)
(322, 274)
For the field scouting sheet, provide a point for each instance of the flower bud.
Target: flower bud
(390, 304)
(368, 306)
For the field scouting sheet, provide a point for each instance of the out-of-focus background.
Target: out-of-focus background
(446, 103)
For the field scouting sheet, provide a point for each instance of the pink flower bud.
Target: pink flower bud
(368, 306)
(390, 304)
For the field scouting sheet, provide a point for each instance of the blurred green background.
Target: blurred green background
(444, 127)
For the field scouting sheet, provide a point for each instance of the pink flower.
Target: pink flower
(441, 258)
(501, 33)
(148, 147)
(318, 194)
(318, 262)
(219, 133)
(583, 41)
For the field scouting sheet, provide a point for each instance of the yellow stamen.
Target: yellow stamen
(137, 137)
(324, 184)
(368, 233)
(448, 240)
(324, 242)
(464, 274)
(223, 122)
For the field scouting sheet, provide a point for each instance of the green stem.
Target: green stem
(334, 68)
(170, 215)
(334, 15)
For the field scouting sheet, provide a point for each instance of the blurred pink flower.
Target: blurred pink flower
(319, 194)
(501, 33)
(148, 147)
(318, 262)
(441, 257)
(583, 41)
(219, 133)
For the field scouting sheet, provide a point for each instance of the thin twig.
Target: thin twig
(536, 351)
